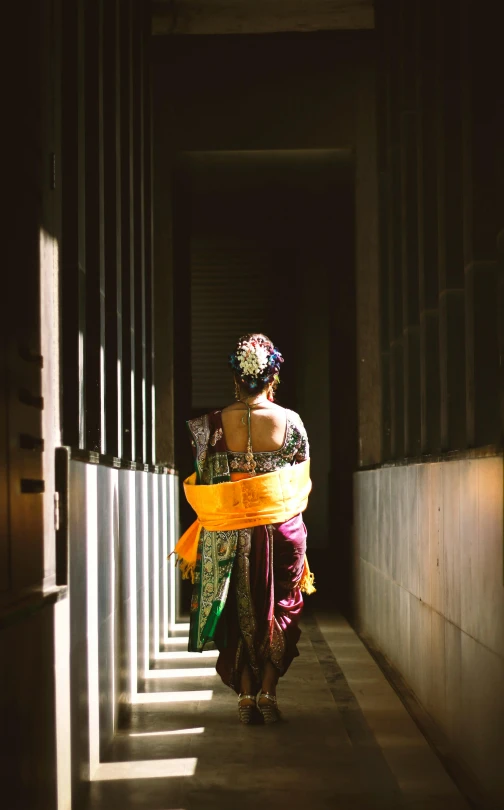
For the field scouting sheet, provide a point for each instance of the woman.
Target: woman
(246, 551)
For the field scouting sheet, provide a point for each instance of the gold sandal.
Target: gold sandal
(246, 713)
(270, 711)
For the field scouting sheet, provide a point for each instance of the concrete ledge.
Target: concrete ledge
(489, 451)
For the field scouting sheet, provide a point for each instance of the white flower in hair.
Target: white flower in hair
(253, 359)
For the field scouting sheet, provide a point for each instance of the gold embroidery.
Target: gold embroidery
(216, 437)
(244, 603)
(218, 553)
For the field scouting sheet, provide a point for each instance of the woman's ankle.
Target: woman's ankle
(269, 680)
(247, 682)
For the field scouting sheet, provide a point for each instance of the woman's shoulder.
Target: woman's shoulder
(295, 419)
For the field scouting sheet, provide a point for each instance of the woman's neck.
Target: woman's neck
(254, 399)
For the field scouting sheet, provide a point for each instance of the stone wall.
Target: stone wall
(429, 560)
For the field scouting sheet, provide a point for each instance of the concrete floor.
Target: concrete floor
(347, 742)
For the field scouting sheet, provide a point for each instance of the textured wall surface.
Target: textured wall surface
(431, 595)
(121, 526)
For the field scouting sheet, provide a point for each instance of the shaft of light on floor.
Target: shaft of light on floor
(172, 733)
(145, 769)
(172, 697)
(176, 655)
(195, 672)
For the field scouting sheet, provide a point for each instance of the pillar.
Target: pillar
(480, 52)
(408, 146)
(127, 233)
(367, 272)
(452, 321)
(94, 340)
(112, 225)
(430, 383)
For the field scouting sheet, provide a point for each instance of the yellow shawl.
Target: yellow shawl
(257, 501)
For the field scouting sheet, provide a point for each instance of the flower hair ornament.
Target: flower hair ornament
(256, 362)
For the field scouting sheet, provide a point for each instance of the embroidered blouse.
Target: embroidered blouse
(294, 450)
(214, 462)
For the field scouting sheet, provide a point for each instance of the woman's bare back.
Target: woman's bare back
(268, 426)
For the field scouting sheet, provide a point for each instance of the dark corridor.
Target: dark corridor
(268, 245)
(180, 172)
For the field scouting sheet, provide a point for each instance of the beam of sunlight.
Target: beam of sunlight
(184, 656)
(179, 640)
(62, 697)
(144, 421)
(103, 424)
(50, 380)
(92, 616)
(146, 570)
(133, 413)
(164, 552)
(194, 672)
(131, 499)
(166, 733)
(172, 697)
(82, 410)
(145, 769)
(171, 545)
(155, 562)
(119, 410)
(182, 626)
(153, 420)
(113, 562)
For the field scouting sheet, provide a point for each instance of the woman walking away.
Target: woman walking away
(246, 551)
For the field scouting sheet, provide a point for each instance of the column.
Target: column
(430, 385)
(367, 272)
(163, 278)
(140, 446)
(395, 243)
(383, 125)
(409, 228)
(127, 233)
(148, 240)
(73, 247)
(452, 321)
(480, 59)
(94, 341)
(112, 210)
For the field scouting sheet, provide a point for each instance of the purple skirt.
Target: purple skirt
(264, 605)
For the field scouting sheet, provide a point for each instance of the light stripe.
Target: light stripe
(193, 672)
(182, 626)
(172, 697)
(167, 733)
(175, 655)
(145, 769)
(179, 640)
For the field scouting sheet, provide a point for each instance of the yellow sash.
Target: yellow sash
(257, 501)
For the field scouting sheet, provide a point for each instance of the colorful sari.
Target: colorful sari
(247, 580)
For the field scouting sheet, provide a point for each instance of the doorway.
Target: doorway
(264, 242)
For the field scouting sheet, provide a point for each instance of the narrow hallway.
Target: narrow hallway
(183, 175)
(346, 742)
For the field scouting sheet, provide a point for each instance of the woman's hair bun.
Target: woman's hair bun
(255, 362)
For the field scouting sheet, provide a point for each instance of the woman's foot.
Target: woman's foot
(266, 700)
(247, 708)
(267, 705)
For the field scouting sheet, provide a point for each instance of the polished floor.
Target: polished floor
(346, 743)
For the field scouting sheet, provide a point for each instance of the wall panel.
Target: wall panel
(431, 596)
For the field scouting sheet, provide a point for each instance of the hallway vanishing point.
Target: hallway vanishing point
(347, 741)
